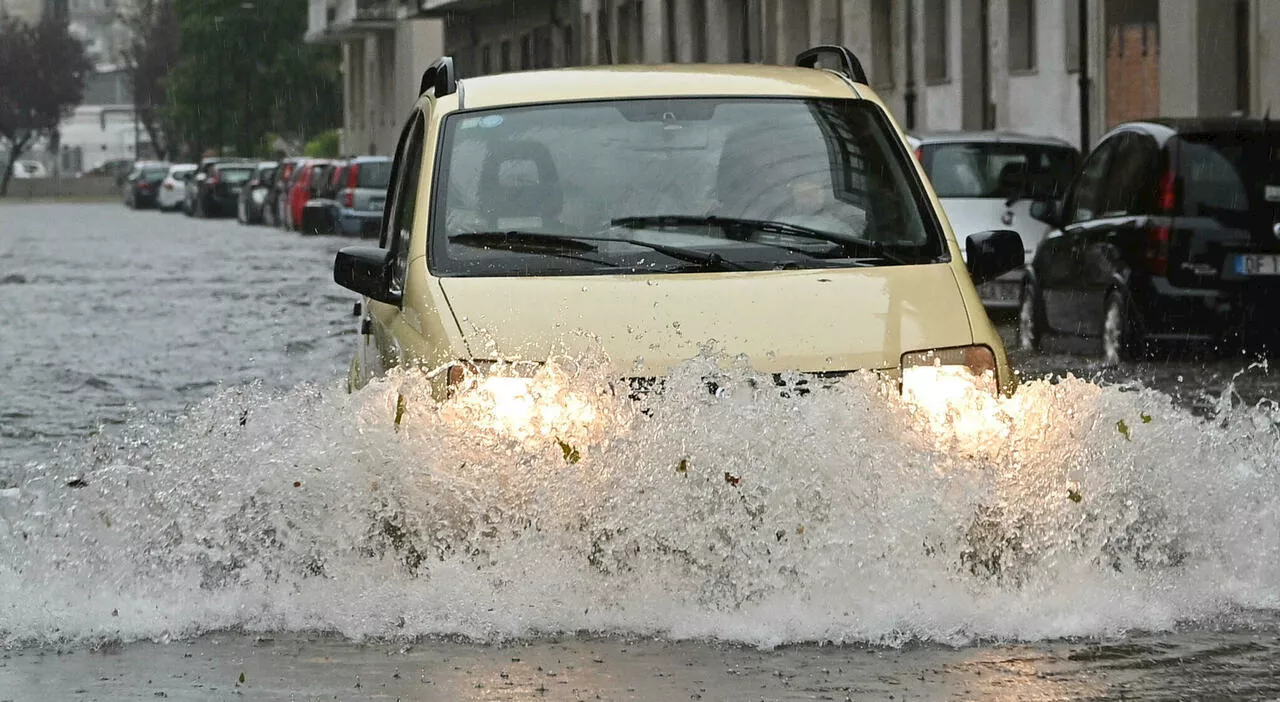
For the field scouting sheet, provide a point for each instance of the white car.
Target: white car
(988, 180)
(23, 170)
(173, 186)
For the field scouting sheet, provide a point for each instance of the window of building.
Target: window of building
(669, 30)
(570, 49)
(526, 53)
(542, 53)
(937, 40)
(504, 57)
(882, 43)
(604, 52)
(831, 30)
(1022, 35)
(486, 59)
(1072, 25)
(698, 20)
(631, 32)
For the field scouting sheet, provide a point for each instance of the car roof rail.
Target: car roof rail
(850, 66)
(441, 76)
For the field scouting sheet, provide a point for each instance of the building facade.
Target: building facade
(385, 48)
(939, 64)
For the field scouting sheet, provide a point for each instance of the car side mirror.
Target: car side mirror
(1047, 211)
(991, 254)
(366, 270)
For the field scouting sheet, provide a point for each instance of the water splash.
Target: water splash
(750, 515)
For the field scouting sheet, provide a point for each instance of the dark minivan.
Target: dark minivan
(1170, 231)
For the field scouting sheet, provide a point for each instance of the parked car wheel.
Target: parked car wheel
(1121, 340)
(1031, 324)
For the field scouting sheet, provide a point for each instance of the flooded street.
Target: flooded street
(193, 507)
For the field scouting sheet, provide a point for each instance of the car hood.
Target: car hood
(813, 321)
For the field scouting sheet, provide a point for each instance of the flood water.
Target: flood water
(188, 495)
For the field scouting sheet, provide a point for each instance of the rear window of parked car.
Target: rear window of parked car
(236, 176)
(998, 170)
(1226, 173)
(375, 174)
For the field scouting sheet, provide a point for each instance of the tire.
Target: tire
(1031, 321)
(1121, 340)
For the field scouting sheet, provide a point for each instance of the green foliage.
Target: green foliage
(244, 71)
(42, 74)
(326, 145)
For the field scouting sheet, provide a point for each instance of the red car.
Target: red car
(306, 182)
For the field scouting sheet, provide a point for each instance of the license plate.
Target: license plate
(1000, 291)
(1273, 193)
(1257, 264)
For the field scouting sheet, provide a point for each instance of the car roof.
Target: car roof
(986, 136)
(639, 81)
(1164, 128)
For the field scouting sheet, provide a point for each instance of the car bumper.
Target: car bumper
(359, 223)
(1168, 312)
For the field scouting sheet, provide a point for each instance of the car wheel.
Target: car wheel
(1120, 339)
(1031, 324)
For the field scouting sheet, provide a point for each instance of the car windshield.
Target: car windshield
(998, 169)
(763, 183)
(374, 174)
(236, 176)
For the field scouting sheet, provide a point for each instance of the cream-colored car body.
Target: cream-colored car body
(826, 319)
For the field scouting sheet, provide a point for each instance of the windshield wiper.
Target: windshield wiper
(537, 242)
(731, 224)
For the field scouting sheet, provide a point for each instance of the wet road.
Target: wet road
(110, 312)
(134, 340)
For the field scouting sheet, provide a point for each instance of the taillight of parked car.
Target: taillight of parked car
(353, 179)
(1157, 254)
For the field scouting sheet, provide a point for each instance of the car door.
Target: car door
(1060, 263)
(381, 349)
(1127, 194)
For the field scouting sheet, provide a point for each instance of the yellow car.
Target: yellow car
(772, 213)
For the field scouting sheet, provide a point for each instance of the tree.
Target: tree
(151, 51)
(42, 74)
(244, 71)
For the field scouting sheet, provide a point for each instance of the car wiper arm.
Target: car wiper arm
(729, 224)
(536, 242)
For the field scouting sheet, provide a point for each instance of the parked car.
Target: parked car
(776, 210)
(988, 180)
(273, 204)
(142, 185)
(1169, 232)
(363, 196)
(219, 193)
(307, 179)
(254, 194)
(173, 187)
(27, 169)
(117, 168)
(320, 213)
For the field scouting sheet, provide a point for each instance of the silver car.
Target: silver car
(988, 180)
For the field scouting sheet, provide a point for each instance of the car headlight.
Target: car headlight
(941, 376)
(522, 399)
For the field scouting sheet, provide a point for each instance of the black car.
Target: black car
(142, 185)
(194, 184)
(219, 193)
(1170, 232)
(253, 195)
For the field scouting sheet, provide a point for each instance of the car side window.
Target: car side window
(1088, 191)
(1129, 183)
(404, 195)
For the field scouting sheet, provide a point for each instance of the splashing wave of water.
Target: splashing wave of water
(751, 516)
